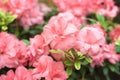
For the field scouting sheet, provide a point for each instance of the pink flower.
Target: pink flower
(17, 7)
(60, 31)
(90, 40)
(9, 76)
(37, 48)
(108, 9)
(44, 8)
(24, 11)
(85, 7)
(31, 17)
(107, 53)
(110, 53)
(98, 59)
(49, 69)
(115, 33)
(77, 7)
(21, 73)
(57, 72)
(12, 51)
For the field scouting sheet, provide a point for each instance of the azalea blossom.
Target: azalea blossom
(115, 33)
(60, 31)
(21, 73)
(12, 51)
(29, 18)
(85, 7)
(90, 40)
(46, 68)
(24, 9)
(107, 53)
(37, 48)
(9, 75)
(44, 8)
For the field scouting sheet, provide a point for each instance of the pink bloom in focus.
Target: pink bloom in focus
(49, 69)
(90, 40)
(37, 48)
(115, 33)
(12, 51)
(60, 31)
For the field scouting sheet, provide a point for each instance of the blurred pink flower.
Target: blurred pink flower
(49, 69)
(115, 33)
(44, 8)
(90, 40)
(12, 51)
(107, 53)
(31, 17)
(110, 53)
(9, 76)
(108, 8)
(37, 48)
(21, 73)
(85, 7)
(27, 11)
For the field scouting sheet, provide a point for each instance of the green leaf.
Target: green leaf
(73, 52)
(26, 41)
(89, 60)
(5, 19)
(69, 71)
(117, 49)
(106, 73)
(2, 23)
(117, 42)
(84, 62)
(112, 68)
(10, 19)
(100, 18)
(77, 65)
(4, 28)
(68, 63)
(80, 54)
(56, 51)
(82, 26)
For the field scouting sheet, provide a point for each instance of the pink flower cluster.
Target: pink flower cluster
(21, 73)
(15, 54)
(27, 11)
(44, 68)
(115, 33)
(63, 32)
(84, 7)
(12, 51)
